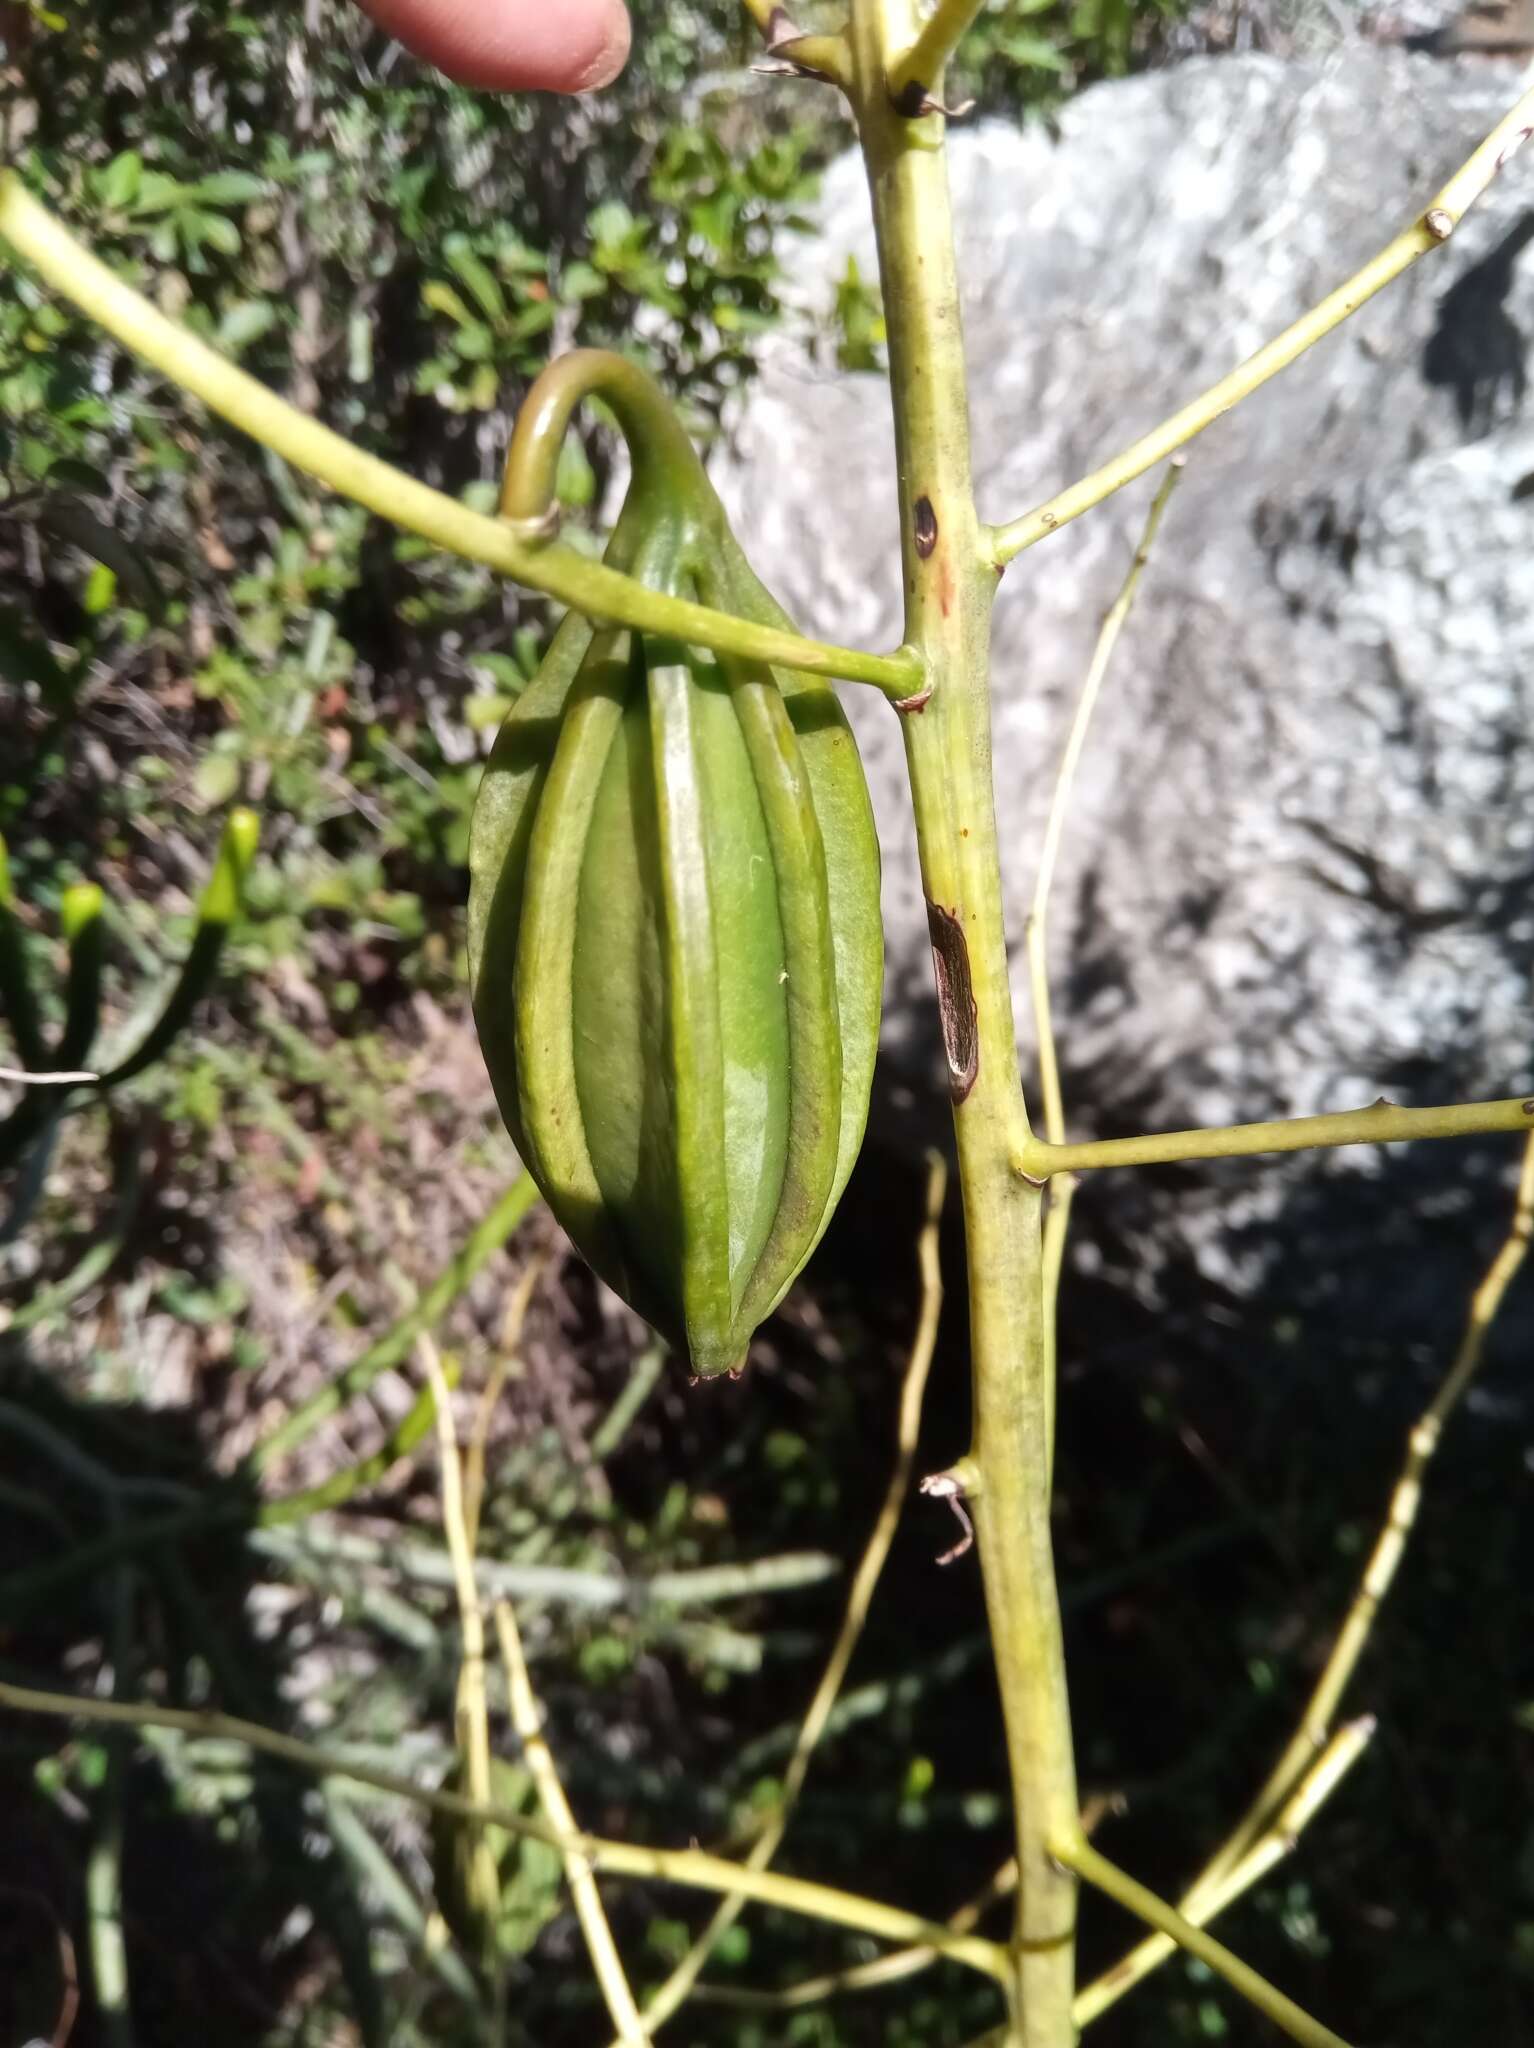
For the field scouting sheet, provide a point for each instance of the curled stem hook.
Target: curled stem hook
(664, 458)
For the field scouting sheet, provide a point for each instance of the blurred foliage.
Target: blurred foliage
(400, 257)
(183, 623)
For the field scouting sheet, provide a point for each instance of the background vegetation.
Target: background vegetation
(183, 625)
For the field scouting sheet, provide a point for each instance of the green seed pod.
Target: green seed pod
(675, 945)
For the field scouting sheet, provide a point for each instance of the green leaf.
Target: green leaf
(68, 519)
(582, 281)
(359, 348)
(119, 182)
(100, 590)
(479, 281)
(157, 193)
(228, 188)
(80, 909)
(1035, 52)
(441, 298)
(476, 344)
(575, 482)
(80, 475)
(214, 229)
(216, 780)
(244, 322)
(485, 714)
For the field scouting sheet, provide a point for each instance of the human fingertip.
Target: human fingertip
(611, 54)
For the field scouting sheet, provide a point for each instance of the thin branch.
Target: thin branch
(1429, 231)
(1057, 1219)
(561, 572)
(1211, 1897)
(890, 1969)
(692, 1868)
(785, 1572)
(421, 1565)
(1325, 1774)
(471, 1716)
(1382, 1123)
(1136, 1898)
(525, 1718)
(671, 1995)
(1395, 1533)
(107, 1944)
(506, 1358)
(615, 1424)
(914, 73)
(26, 1077)
(104, 1915)
(1059, 806)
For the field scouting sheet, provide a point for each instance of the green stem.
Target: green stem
(18, 1005)
(586, 586)
(103, 1904)
(916, 72)
(950, 582)
(1382, 1123)
(1145, 1905)
(1429, 231)
(103, 1871)
(663, 456)
(216, 913)
(694, 1868)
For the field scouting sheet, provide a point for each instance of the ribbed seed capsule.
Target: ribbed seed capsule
(677, 960)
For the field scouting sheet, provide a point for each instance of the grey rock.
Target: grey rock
(1299, 871)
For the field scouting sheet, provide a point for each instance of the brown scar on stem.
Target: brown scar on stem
(909, 102)
(1528, 1107)
(915, 100)
(916, 703)
(925, 529)
(955, 999)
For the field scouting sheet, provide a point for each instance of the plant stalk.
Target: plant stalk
(950, 582)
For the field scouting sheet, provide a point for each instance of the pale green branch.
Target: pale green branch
(1211, 1895)
(1382, 1123)
(1057, 1220)
(585, 586)
(1429, 231)
(694, 1869)
(1390, 1545)
(1136, 1898)
(1325, 1774)
(889, 1969)
(539, 1758)
(918, 69)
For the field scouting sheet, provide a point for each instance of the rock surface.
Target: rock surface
(1298, 870)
